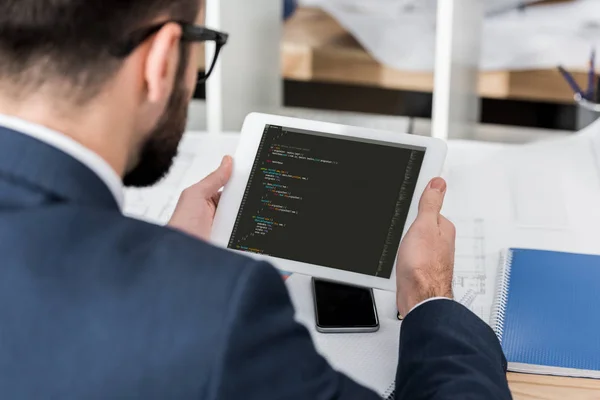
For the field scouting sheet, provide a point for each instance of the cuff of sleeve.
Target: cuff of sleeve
(427, 301)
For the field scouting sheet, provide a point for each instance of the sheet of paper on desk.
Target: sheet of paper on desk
(544, 195)
(512, 40)
(552, 184)
(475, 266)
(538, 195)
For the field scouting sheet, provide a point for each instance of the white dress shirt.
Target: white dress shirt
(74, 149)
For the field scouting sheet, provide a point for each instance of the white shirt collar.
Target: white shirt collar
(74, 149)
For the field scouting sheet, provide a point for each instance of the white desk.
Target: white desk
(545, 196)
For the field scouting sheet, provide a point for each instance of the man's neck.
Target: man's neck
(97, 130)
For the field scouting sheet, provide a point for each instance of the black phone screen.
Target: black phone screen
(343, 306)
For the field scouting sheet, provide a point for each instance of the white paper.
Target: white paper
(543, 195)
(475, 267)
(539, 193)
(401, 34)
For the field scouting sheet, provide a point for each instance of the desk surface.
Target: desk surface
(209, 150)
(536, 387)
(315, 48)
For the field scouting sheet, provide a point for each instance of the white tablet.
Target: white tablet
(325, 200)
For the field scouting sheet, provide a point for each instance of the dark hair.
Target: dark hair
(71, 40)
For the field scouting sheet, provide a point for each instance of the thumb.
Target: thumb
(210, 185)
(432, 199)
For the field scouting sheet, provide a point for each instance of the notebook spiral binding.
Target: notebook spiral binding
(501, 297)
(390, 393)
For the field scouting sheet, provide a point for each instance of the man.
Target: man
(93, 305)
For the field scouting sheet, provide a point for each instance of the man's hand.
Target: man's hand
(197, 205)
(426, 257)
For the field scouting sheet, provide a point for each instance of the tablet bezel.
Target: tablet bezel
(251, 136)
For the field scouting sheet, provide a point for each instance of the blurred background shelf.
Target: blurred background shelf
(317, 49)
(323, 67)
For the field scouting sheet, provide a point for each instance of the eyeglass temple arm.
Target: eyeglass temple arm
(195, 32)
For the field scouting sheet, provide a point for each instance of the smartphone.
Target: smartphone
(341, 308)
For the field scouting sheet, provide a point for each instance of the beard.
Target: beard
(159, 150)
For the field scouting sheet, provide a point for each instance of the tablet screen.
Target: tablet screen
(327, 200)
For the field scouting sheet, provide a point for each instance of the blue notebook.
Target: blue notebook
(547, 312)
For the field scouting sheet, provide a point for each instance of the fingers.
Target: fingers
(210, 186)
(432, 200)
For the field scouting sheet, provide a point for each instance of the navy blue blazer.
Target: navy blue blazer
(95, 305)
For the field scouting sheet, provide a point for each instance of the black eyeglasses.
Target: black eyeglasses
(191, 33)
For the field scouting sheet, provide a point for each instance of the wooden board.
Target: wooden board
(316, 48)
(536, 387)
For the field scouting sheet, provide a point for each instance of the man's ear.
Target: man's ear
(162, 62)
